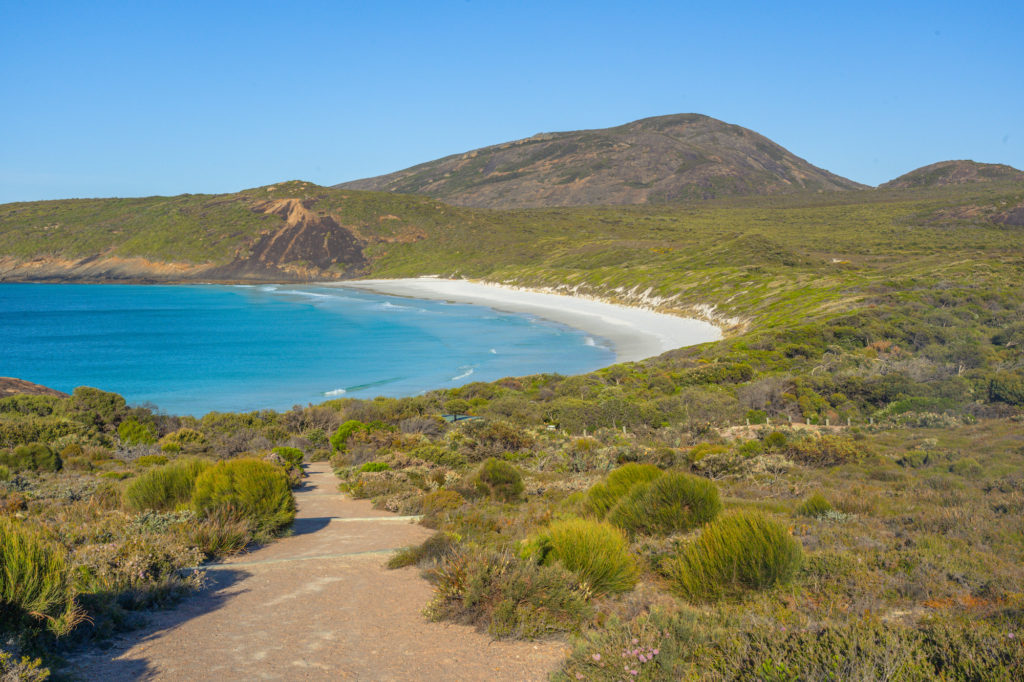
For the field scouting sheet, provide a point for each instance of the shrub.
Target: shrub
(433, 549)
(744, 550)
(5, 473)
(375, 466)
(775, 440)
(511, 598)
(246, 489)
(35, 580)
(441, 502)
(131, 432)
(603, 496)
(814, 506)
(671, 503)
(341, 435)
(164, 488)
(827, 450)
(31, 457)
(219, 534)
(150, 460)
(499, 479)
(184, 439)
(24, 669)
(293, 456)
(595, 551)
(967, 467)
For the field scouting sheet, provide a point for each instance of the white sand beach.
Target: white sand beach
(635, 333)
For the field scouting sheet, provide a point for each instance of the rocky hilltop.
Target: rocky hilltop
(946, 173)
(653, 160)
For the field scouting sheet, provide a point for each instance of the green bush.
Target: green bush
(441, 502)
(603, 496)
(35, 580)
(131, 432)
(814, 506)
(595, 551)
(246, 489)
(293, 456)
(740, 551)
(341, 435)
(151, 460)
(827, 450)
(775, 440)
(24, 669)
(375, 466)
(509, 597)
(499, 479)
(164, 488)
(671, 503)
(31, 457)
(5, 473)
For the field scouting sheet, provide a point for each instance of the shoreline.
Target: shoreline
(635, 333)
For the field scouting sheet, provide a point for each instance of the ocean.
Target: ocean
(192, 349)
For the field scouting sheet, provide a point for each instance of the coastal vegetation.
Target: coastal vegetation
(832, 491)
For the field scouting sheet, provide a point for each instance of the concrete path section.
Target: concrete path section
(319, 605)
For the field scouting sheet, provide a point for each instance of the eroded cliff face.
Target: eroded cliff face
(309, 245)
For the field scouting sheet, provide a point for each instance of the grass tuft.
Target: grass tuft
(740, 551)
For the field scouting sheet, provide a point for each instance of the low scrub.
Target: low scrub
(35, 581)
(499, 479)
(671, 503)
(31, 457)
(596, 552)
(219, 534)
(603, 496)
(292, 456)
(164, 488)
(815, 506)
(506, 596)
(247, 489)
(433, 550)
(740, 551)
(827, 450)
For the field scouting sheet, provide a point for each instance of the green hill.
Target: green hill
(653, 160)
(954, 173)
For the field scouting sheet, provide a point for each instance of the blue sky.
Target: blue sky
(139, 98)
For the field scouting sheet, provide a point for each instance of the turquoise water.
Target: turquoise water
(194, 349)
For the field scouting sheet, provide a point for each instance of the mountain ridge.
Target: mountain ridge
(661, 159)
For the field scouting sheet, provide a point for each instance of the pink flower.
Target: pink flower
(579, 676)
(654, 652)
(636, 641)
(634, 672)
(596, 657)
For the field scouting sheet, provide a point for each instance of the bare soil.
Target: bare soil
(319, 605)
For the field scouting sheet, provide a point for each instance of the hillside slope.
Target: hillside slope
(946, 173)
(653, 160)
(289, 231)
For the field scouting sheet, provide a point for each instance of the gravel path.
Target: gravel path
(318, 605)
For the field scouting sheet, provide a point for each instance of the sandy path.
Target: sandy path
(316, 606)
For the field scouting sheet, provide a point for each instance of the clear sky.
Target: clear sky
(138, 98)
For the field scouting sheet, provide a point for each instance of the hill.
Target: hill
(653, 160)
(10, 386)
(291, 231)
(946, 173)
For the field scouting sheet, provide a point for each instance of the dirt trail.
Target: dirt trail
(318, 605)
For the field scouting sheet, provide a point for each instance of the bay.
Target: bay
(192, 349)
